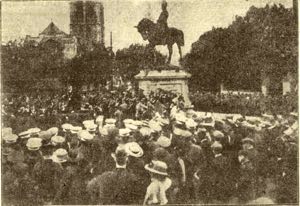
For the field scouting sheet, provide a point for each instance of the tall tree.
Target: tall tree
(262, 42)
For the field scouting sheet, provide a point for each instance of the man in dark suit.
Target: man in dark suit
(115, 187)
(220, 173)
(44, 173)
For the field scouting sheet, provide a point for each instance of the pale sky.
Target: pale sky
(194, 17)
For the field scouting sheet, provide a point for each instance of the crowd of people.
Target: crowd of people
(251, 104)
(51, 109)
(124, 148)
(47, 109)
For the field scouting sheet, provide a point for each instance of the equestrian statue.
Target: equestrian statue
(160, 34)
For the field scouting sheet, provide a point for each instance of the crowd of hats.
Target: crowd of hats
(206, 122)
(164, 131)
(183, 128)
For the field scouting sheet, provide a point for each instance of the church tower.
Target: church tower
(87, 22)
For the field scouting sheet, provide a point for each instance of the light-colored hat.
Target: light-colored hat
(45, 135)
(208, 125)
(10, 138)
(180, 118)
(6, 131)
(103, 131)
(76, 129)
(236, 117)
(190, 123)
(248, 140)
(229, 116)
(216, 145)
(34, 144)
(110, 121)
(57, 140)
(145, 123)
(128, 121)
(265, 124)
(87, 122)
(163, 141)
(218, 134)
(155, 127)
(247, 125)
(163, 121)
(145, 131)
(157, 167)
(202, 130)
(124, 132)
(134, 149)
(177, 131)
(53, 131)
(295, 126)
(137, 123)
(60, 156)
(91, 127)
(186, 134)
(24, 135)
(66, 127)
(131, 127)
(267, 116)
(34, 130)
(288, 132)
(294, 114)
(84, 135)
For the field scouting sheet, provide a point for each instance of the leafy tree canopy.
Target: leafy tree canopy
(264, 42)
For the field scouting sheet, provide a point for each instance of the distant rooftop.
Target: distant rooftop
(52, 30)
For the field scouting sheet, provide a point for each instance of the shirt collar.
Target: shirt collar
(218, 155)
(120, 167)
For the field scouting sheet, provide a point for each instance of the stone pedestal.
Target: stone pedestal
(174, 80)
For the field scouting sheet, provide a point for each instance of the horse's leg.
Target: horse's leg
(179, 49)
(170, 48)
(154, 53)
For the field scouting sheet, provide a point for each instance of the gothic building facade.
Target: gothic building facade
(86, 29)
(52, 34)
(87, 22)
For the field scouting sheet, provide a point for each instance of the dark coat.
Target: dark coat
(117, 187)
(220, 178)
(72, 188)
(45, 173)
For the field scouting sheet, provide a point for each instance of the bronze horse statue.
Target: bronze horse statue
(148, 30)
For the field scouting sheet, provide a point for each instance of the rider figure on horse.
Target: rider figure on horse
(162, 22)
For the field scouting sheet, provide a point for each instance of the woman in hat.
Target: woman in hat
(160, 183)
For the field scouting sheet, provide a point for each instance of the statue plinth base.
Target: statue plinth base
(171, 79)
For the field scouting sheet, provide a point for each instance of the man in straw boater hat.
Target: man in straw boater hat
(116, 187)
(11, 150)
(33, 153)
(44, 172)
(72, 182)
(61, 157)
(160, 183)
(136, 166)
